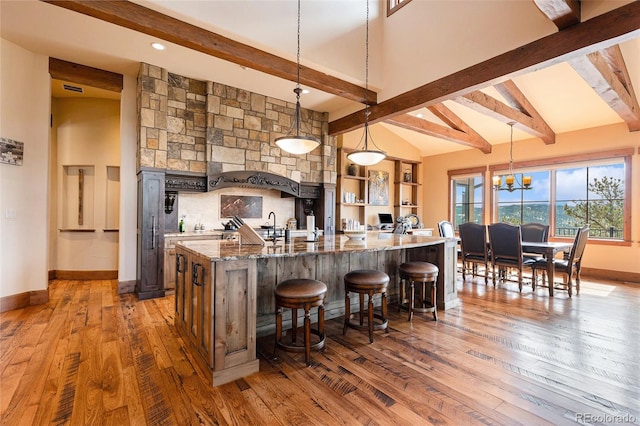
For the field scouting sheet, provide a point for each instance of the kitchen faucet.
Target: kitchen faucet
(274, 227)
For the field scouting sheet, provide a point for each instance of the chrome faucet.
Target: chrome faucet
(274, 227)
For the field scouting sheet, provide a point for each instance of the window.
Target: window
(523, 206)
(593, 188)
(468, 198)
(394, 5)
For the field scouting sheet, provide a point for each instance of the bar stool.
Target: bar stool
(300, 293)
(419, 272)
(366, 281)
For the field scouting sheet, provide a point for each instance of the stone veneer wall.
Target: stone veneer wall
(205, 127)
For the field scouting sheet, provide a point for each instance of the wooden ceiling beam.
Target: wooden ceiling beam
(138, 18)
(492, 107)
(519, 101)
(563, 13)
(82, 74)
(430, 128)
(606, 72)
(455, 122)
(602, 31)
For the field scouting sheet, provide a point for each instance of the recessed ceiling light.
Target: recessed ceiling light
(305, 91)
(419, 115)
(158, 46)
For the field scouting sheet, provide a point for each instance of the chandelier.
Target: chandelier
(297, 144)
(510, 180)
(366, 156)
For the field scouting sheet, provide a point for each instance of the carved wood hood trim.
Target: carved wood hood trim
(253, 179)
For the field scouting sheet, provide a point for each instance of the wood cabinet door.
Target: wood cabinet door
(150, 235)
(234, 313)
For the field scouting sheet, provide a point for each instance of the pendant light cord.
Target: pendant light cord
(366, 81)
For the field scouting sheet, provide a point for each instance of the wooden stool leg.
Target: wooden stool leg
(294, 325)
(307, 335)
(403, 282)
(278, 328)
(411, 298)
(361, 295)
(321, 322)
(383, 305)
(347, 312)
(434, 301)
(370, 317)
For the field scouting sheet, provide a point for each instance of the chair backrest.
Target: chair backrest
(535, 232)
(506, 242)
(445, 228)
(579, 244)
(473, 239)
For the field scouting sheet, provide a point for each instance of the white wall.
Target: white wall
(24, 116)
(128, 181)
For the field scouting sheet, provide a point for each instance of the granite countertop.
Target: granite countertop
(231, 250)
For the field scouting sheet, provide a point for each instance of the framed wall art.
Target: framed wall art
(11, 152)
(378, 188)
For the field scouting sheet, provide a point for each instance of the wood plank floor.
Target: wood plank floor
(91, 357)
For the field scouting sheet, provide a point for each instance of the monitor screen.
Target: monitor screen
(385, 218)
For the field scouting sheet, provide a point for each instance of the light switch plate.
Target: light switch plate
(10, 214)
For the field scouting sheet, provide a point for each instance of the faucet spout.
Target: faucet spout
(274, 226)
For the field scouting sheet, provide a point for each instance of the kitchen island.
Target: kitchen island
(224, 290)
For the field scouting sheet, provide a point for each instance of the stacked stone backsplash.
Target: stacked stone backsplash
(191, 125)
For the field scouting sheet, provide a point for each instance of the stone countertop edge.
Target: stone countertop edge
(222, 250)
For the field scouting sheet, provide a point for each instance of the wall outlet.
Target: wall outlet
(10, 214)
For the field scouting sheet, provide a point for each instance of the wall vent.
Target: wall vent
(73, 88)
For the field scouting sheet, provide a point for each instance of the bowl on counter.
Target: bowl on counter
(355, 234)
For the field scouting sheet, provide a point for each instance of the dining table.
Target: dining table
(549, 249)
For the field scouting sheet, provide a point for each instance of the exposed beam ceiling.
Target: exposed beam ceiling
(520, 110)
(458, 131)
(605, 71)
(437, 130)
(563, 13)
(595, 34)
(148, 21)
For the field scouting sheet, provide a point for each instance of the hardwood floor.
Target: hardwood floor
(92, 357)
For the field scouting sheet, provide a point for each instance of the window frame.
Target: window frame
(586, 160)
(394, 5)
(461, 174)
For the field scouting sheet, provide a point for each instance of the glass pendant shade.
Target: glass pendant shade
(297, 145)
(366, 157)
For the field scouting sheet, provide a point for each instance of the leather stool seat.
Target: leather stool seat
(424, 273)
(369, 282)
(300, 293)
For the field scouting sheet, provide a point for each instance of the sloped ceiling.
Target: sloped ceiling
(332, 43)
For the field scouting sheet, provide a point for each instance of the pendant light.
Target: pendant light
(510, 179)
(366, 156)
(297, 144)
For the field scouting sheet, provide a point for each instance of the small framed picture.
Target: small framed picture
(11, 152)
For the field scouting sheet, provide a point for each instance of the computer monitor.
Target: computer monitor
(386, 220)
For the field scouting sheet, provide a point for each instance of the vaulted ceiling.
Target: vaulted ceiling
(570, 71)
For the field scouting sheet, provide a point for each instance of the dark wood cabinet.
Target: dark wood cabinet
(150, 235)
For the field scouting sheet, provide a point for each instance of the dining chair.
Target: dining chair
(473, 242)
(505, 241)
(534, 232)
(569, 265)
(445, 229)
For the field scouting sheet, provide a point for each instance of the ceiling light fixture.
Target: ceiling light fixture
(510, 179)
(366, 156)
(158, 46)
(297, 144)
